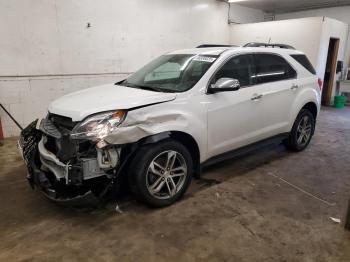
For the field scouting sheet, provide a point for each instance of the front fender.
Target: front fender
(150, 121)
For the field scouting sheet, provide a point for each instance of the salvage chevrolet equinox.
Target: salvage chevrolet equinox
(154, 130)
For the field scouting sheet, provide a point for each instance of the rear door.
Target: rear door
(277, 83)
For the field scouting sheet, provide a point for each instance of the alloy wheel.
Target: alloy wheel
(304, 131)
(166, 174)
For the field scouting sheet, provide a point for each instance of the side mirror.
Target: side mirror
(225, 84)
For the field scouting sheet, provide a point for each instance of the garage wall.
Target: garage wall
(48, 49)
(54, 37)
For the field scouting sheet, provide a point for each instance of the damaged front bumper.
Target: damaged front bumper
(69, 174)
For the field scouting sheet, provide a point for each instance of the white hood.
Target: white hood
(81, 104)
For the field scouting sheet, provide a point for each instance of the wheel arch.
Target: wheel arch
(182, 137)
(190, 143)
(308, 104)
(308, 99)
(312, 107)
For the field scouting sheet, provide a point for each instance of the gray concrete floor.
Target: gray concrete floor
(271, 205)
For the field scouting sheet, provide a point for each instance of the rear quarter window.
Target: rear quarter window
(305, 62)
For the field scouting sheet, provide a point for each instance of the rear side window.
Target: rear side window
(271, 68)
(305, 62)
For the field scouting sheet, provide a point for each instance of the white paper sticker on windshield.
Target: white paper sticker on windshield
(205, 59)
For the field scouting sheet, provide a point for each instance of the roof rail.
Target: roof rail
(254, 44)
(214, 45)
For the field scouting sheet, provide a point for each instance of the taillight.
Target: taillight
(320, 83)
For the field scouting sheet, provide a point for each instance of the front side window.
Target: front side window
(240, 68)
(171, 73)
(270, 68)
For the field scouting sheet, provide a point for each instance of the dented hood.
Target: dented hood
(81, 104)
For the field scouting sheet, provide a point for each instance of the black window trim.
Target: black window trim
(313, 70)
(252, 54)
(285, 60)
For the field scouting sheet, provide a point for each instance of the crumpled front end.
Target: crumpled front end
(67, 170)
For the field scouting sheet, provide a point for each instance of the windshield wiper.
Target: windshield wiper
(151, 88)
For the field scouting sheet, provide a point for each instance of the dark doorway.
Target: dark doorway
(329, 75)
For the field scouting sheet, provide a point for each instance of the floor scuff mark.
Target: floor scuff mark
(302, 190)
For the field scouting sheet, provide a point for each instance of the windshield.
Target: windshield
(171, 73)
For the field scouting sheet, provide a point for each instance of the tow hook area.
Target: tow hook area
(85, 168)
(108, 158)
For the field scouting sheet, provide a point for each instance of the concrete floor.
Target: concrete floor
(272, 205)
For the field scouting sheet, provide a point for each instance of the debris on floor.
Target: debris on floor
(117, 208)
(335, 220)
(252, 184)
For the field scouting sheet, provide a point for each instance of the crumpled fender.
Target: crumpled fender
(184, 115)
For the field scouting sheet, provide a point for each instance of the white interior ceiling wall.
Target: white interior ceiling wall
(310, 35)
(49, 48)
(276, 32)
(341, 13)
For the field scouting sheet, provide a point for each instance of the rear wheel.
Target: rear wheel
(160, 173)
(302, 131)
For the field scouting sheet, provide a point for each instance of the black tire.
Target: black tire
(292, 141)
(138, 172)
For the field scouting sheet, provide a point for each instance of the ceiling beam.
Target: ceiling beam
(289, 6)
(305, 8)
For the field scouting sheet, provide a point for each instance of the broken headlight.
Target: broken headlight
(98, 126)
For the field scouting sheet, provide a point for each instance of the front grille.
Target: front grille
(29, 140)
(62, 121)
(48, 128)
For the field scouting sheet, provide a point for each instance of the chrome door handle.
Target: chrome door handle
(256, 97)
(294, 86)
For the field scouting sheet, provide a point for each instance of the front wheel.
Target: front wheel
(160, 173)
(302, 131)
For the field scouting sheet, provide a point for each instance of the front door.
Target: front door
(232, 116)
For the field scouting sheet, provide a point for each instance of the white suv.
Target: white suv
(156, 129)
